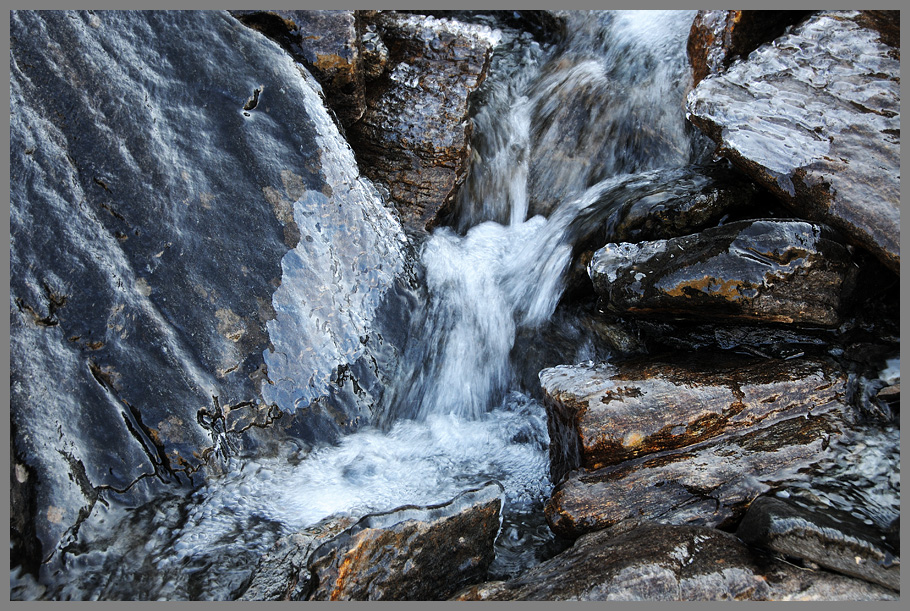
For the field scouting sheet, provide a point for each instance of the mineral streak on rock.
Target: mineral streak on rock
(600, 415)
(815, 118)
(769, 270)
(412, 553)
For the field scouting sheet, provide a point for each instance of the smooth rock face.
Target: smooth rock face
(600, 415)
(411, 553)
(708, 484)
(718, 38)
(815, 118)
(413, 137)
(769, 270)
(651, 562)
(169, 172)
(821, 537)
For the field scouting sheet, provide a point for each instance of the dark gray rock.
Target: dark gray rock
(815, 118)
(600, 415)
(770, 270)
(824, 538)
(178, 190)
(412, 553)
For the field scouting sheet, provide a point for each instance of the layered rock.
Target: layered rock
(770, 270)
(600, 415)
(815, 118)
(412, 553)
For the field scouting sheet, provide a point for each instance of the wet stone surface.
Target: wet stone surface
(769, 270)
(815, 118)
(411, 553)
(600, 415)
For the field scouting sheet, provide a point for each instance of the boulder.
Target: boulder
(708, 484)
(413, 138)
(604, 414)
(185, 225)
(815, 118)
(718, 37)
(828, 538)
(411, 553)
(768, 270)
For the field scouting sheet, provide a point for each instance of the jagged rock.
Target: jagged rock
(709, 484)
(815, 118)
(329, 44)
(177, 191)
(412, 553)
(604, 414)
(413, 138)
(788, 582)
(785, 271)
(718, 38)
(650, 562)
(824, 538)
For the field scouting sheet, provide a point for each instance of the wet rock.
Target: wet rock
(709, 484)
(411, 553)
(413, 137)
(718, 38)
(172, 205)
(650, 562)
(824, 538)
(815, 118)
(282, 573)
(788, 582)
(604, 414)
(785, 271)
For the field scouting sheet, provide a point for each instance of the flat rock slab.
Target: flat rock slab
(603, 414)
(412, 553)
(771, 270)
(822, 538)
(815, 118)
(708, 484)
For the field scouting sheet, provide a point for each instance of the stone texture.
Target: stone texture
(830, 539)
(815, 118)
(719, 37)
(600, 415)
(413, 138)
(709, 484)
(771, 270)
(411, 553)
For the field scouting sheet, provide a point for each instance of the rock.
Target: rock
(718, 38)
(709, 484)
(413, 138)
(329, 44)
(785, 271)
(180, 200)
(824, 538)
(788, 582)
(282, 573)
(815, 118)
(650, 562)
(604, 414)
(411, 553)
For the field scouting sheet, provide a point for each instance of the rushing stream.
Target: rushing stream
(556, 131)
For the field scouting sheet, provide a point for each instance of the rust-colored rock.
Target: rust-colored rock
(413, 137)
(600, 415)
(708, 484)
(769, 270)
(719, 37)
(815, 118)
(412, 553)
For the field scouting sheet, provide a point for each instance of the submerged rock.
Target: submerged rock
(411, 553)
(413, 138)
(815, 118)
(770, 270)
(600, 415)
(824, 538)
(709, 484)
